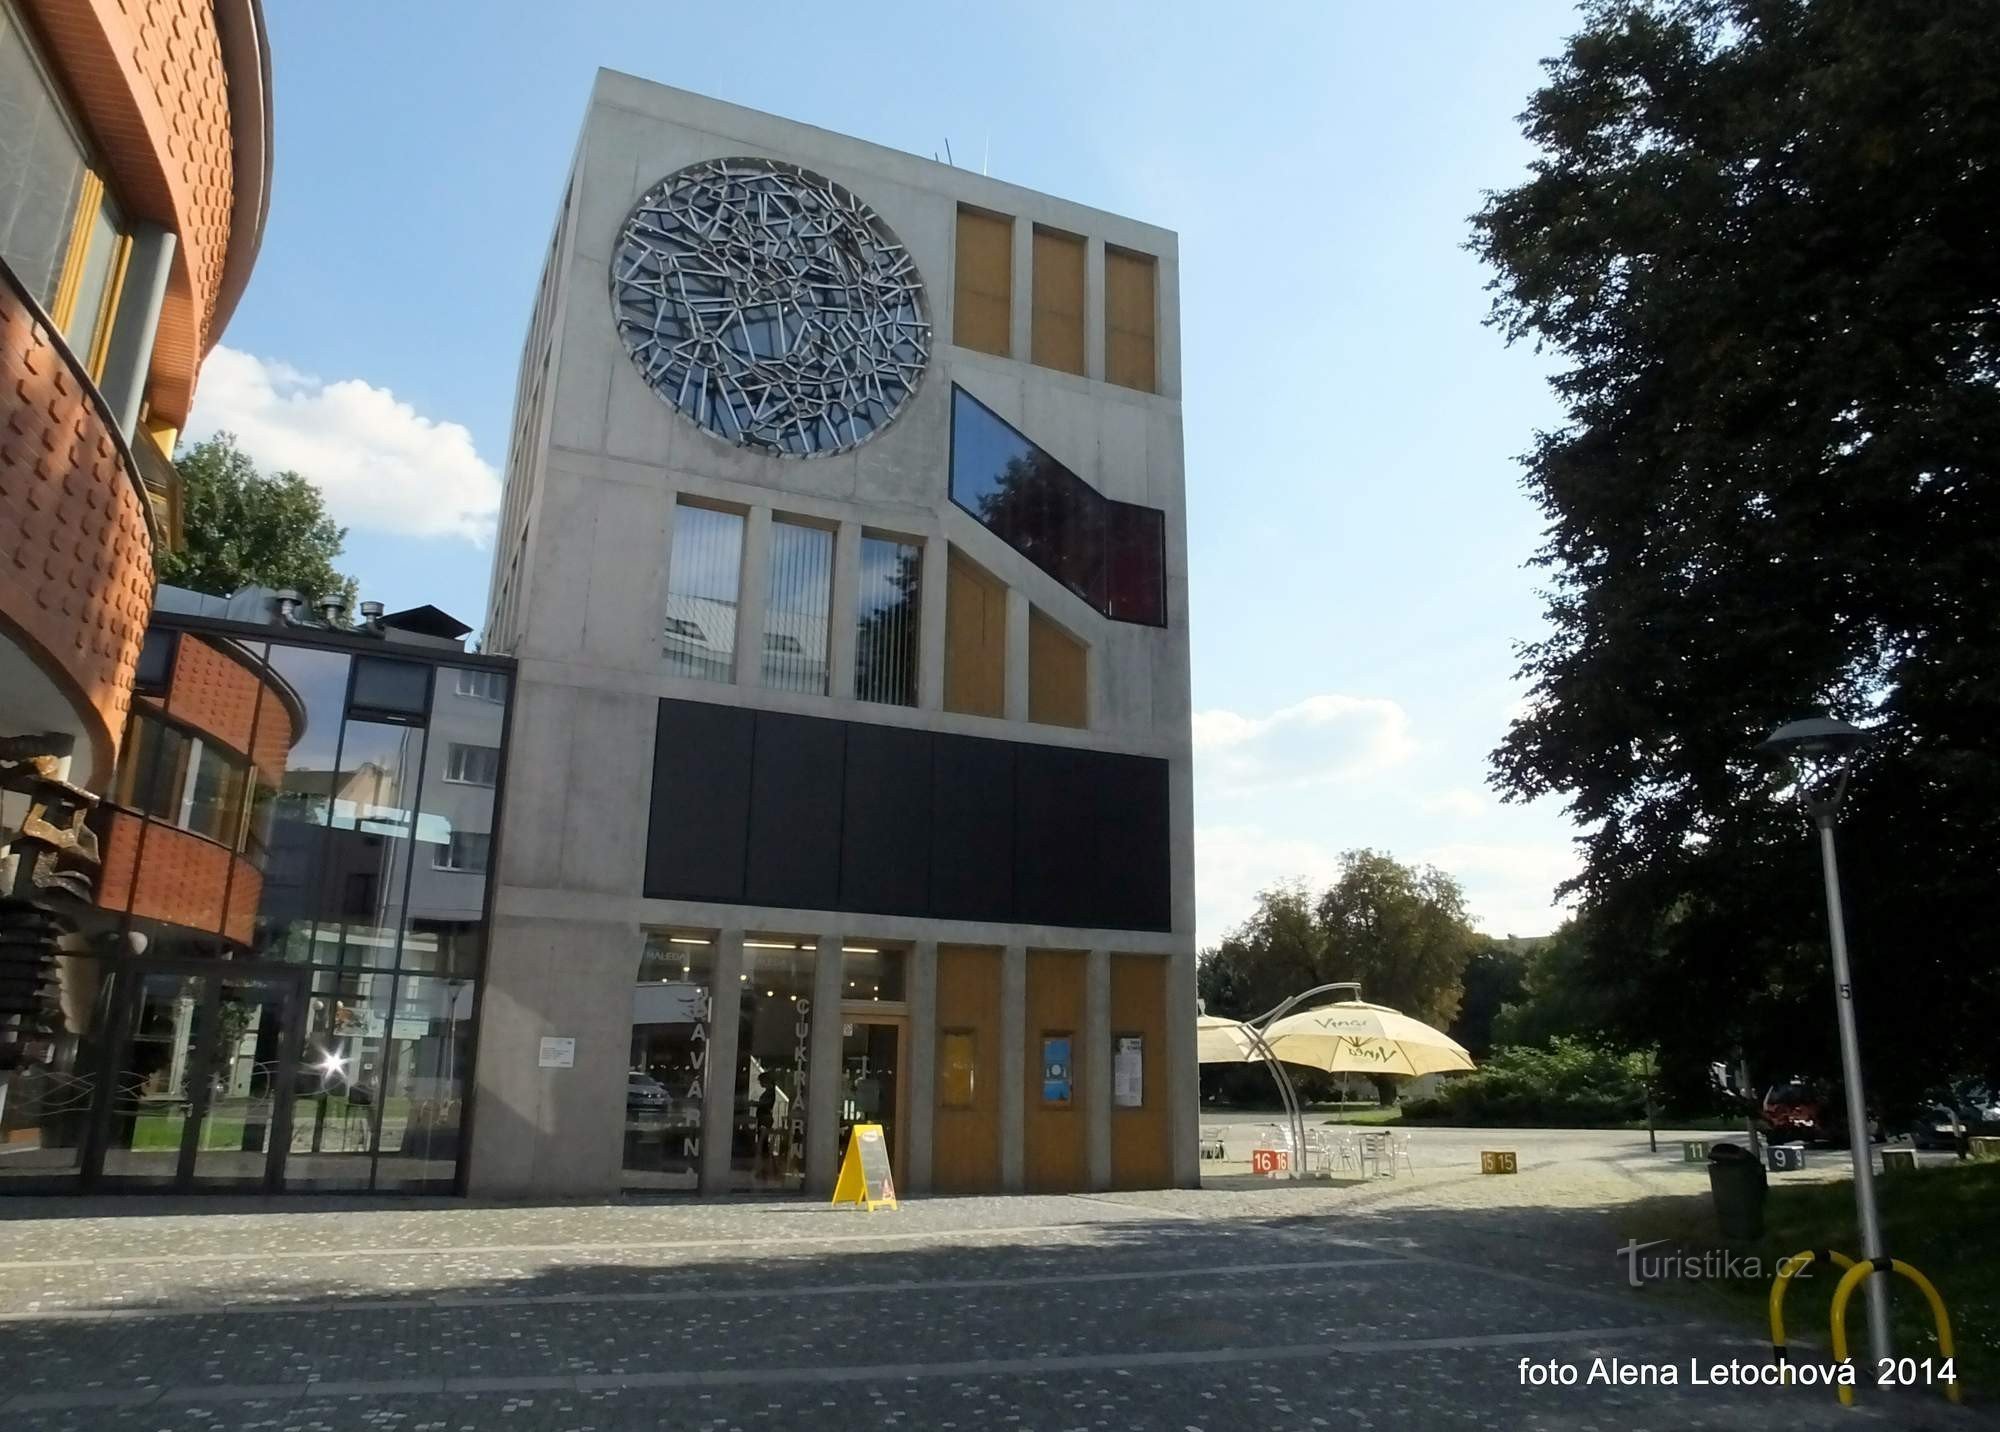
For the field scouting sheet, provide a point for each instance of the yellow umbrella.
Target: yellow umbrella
(1223, 1041)
(1360, 1038)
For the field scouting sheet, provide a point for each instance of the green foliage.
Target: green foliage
(243, 528)
(1561, 995)
(1401, 930)
(1569, 1083)
(1759, 239)
(1493, 978)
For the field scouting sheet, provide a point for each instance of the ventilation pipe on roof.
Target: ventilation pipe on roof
(371, 616)
(333, 610)
(289, 603)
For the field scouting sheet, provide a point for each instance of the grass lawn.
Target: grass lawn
(1940, 1220)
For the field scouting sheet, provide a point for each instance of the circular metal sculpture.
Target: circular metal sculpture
(770, 305)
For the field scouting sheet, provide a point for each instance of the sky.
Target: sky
(1358, 536)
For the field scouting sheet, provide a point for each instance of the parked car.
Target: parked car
(1935, 1126)
(1810, 1111)
(645, 1095)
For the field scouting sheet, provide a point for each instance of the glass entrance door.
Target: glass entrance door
(871, 1081)
(199, 1066)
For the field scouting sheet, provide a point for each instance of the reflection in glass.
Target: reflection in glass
(667, 1074)
(773, 1035)
(870, 1073)
(872, 972)
(384, 687)
(1111, 554)
(885, 621)
(368, 844)
(423, 1090)
(704, 578)
(335, 1092)
(798, 600)
(153, 1080)
(241, 1062)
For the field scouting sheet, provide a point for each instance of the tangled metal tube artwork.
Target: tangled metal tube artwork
(770, 306)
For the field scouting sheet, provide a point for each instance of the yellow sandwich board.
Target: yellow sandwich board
(864, 1174)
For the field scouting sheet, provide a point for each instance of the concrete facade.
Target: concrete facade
(598, 465)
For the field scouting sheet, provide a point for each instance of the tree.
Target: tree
(1493, 977)
(245, 529)
(1760, 236)
(1561, 995)
(1400, 930)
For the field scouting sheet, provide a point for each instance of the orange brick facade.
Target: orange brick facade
(149, 78)
(76, 549)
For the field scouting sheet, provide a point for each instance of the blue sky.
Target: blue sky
(1357, 530)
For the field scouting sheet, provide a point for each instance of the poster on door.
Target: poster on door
(1128, 1071)
(1056, 1073)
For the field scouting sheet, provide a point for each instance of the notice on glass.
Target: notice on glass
(558, 1054)
(1128, 1071)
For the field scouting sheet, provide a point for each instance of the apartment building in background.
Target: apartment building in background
(843, 559)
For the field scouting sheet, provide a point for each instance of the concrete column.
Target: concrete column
(930, 624)
(1023, 316)
(1013, 1064)
(846, 591)
(1093, 308)
(823, 1080)
(750, 598)
(128, 357)
(921, 1060)
(1183, 1070)
(1016, 675)
(666, 558)
(1096, 1056)
(718, 1105)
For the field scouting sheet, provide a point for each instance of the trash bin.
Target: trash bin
(1736, 1183)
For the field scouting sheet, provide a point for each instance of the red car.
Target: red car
(1808, 1111)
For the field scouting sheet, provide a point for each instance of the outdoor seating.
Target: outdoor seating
(1213, 1145)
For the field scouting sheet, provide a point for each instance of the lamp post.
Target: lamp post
(1821, 749)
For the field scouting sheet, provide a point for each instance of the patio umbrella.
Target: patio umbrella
(1355, 1037)
(1222, 1041)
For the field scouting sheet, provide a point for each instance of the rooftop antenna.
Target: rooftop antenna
(947, 153)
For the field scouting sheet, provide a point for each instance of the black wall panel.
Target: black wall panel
(1056, 870)
(972, 828)
(701, 802)
(767, 808)
(885, 853)
(795, 786)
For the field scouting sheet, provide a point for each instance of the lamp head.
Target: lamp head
(1816, 737)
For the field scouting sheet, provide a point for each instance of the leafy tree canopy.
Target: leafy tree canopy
(1400, 930)
(1760, 236)
(244, 528)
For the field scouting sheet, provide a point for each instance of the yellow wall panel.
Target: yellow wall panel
(1053, 1135)
(983, 283)
(1058, 675)
(1057, 340)
(975, 650)
(965, 1129)
(1130, 299)
(1140, 1157)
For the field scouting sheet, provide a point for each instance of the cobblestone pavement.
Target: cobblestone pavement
(1352, 1307)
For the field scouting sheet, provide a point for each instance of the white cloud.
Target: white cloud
(381, 464)
(1509, 886)
(1322, 739)
(1462, 802)
(1232, 863)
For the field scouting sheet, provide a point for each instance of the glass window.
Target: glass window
(52, 1086)
(214, 805)
(365, 870)
(773, 1037)
(872, 973)
(156, 664)
(472, 765)
(295, 749)
(152, 766)
(89, 322)
(484, 685)
(885, 619)
(666, 1078)
(41, 167)
(798, 600)
(337, 1092)
(391, 688)
(704, 577)
(464, 850)
(1111, 554)
(426, 1058)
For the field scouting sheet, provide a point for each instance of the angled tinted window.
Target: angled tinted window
(1111, 554)
(391, 688)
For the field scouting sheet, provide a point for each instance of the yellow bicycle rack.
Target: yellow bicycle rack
(1856, 1274)
(1788, 1269)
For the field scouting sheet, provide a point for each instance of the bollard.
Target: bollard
(1788, 1269)
(1853, 1278)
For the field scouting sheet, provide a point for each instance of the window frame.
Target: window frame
(451, 763)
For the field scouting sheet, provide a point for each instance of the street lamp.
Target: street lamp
(1821, 750)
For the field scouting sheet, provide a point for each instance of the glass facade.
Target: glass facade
(666, 1079)
(773, 1040)
(42, 167)
(277, 988)
(704, 583)
(1111, 554)
(885, 621)
(798, 603)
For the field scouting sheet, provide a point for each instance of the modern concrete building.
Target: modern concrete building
(135, 144)
(843, 557)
